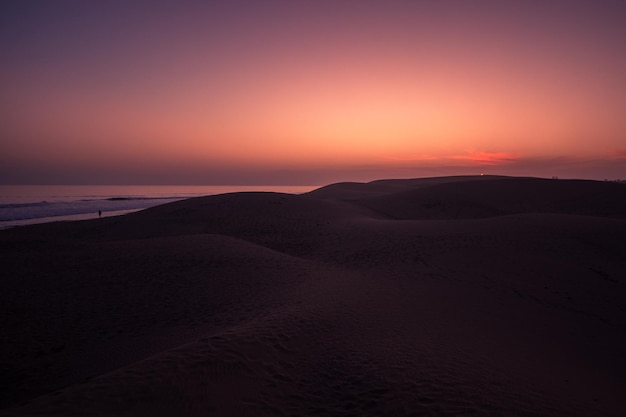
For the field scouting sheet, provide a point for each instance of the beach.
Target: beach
(466, 295)
(22, 205)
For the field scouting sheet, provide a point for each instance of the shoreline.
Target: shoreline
(25, 205)
(10, 224)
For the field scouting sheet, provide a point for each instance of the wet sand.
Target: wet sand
(438, 296)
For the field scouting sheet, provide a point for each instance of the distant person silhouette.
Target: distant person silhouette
(99, 213)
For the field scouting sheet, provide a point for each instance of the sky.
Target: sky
(309, 92)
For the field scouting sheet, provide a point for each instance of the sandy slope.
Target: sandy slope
(441, 296)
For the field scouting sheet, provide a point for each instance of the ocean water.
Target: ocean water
(29, 204)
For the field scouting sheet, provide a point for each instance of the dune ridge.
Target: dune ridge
(474, 295)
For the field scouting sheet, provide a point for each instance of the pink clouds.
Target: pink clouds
(487, 157)
(471, 156)
(618, 153)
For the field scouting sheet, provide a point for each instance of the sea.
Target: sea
(22, 205)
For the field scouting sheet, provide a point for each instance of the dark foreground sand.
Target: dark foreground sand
(464, 296)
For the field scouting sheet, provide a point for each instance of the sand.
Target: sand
(494, 296)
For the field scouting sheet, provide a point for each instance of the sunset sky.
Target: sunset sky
(310, 92)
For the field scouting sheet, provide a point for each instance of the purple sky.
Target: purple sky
(304, 92)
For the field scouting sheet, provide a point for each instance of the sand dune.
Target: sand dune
(474, 197)
(438, 296)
